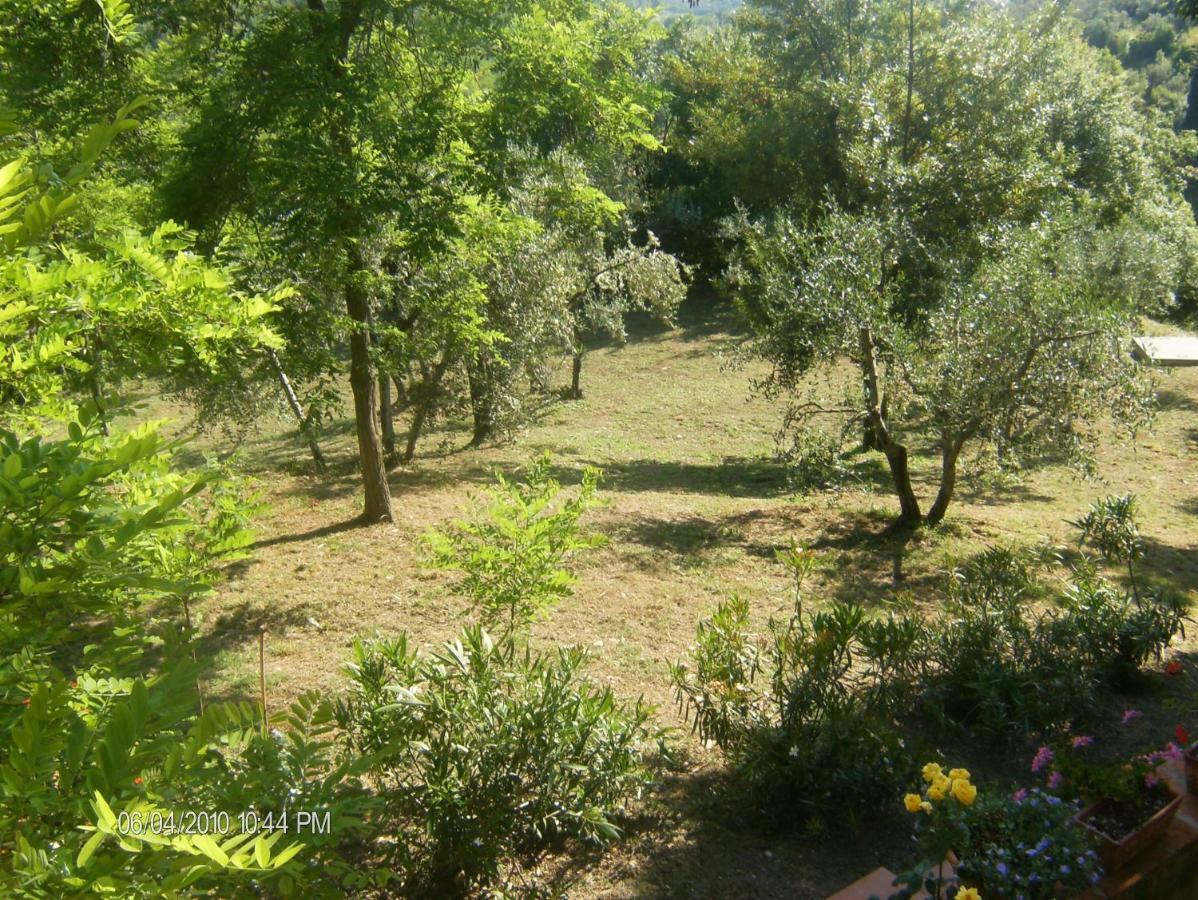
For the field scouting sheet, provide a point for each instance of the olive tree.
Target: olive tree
(1005, 216)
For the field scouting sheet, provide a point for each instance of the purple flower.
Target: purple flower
(1151, 780)
(1130, 715)
(1083, 740)
(1055, 779)
(1172, 751)
(1019, 795)
(1042, 758)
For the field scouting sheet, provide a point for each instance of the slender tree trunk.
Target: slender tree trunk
(387, 416)
(896, 453)
(297, 410)
(900, 474)
(377, 506)
(576, 376)
(480, 405)
(424, 403)
(401, 392)
(96, 377)
(950, 451)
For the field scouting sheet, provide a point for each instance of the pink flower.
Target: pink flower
(1042, 758)
(1171, 751)
(1130, 715)
(1019, 795)
(1055, 779)
(1151, 780)
(1082, 741)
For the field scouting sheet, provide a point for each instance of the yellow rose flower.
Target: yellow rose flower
(959, 773)
(931, 771)
(926, 806)
(965, 792)
(936, 793)
(968, 894)
(912, 802)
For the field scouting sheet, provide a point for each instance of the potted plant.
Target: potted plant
(1129, 805)
(1028, 845)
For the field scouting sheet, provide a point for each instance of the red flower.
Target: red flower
(1183, 736)
(137, 780)
(1173, 668)
(25, 702)
(74, 684)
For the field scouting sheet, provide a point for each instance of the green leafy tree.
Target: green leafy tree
(398, 124)
(512, 553)
(983, 287)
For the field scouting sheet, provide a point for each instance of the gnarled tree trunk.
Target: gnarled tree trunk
(896, 453)
(950, 451)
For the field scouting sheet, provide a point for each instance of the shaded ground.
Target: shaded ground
(695, 507)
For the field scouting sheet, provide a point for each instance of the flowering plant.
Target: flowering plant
(941, 808)
(1028, 846)
(1070, 769)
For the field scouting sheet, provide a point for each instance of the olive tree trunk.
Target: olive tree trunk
(896, 453)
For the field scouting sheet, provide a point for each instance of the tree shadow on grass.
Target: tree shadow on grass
(697, 839)
(1173, 568)
(733, 477)
(241, 624)
(310, 535)
(1169, 400)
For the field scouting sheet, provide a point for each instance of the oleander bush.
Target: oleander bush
(807, 712)
(486, 754)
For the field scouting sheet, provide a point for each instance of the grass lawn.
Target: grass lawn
(695, 507)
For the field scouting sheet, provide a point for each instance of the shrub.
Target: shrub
(485, 753)
(512, 553)
(816, 459)
(807, 713)
(1002, 664)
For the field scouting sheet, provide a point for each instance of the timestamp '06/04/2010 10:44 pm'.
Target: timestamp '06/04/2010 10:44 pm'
(169, 822)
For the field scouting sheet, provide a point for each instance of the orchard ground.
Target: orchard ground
(695, 505)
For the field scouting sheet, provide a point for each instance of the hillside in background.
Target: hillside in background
(1157, 46)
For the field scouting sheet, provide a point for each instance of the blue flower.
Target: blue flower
(1065, 870)
(1002, 868)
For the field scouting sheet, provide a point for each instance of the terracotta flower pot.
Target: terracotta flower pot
(1116, 854)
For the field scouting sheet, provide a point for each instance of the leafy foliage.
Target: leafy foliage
(512, 554)
(807, 713)
(487, 753)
